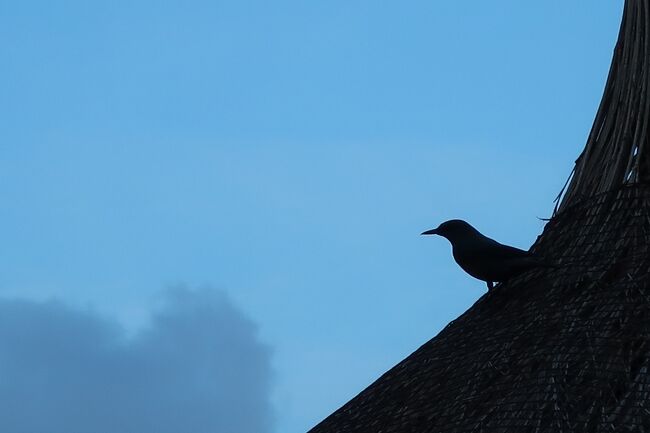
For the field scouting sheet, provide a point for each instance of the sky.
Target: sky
(212, 208)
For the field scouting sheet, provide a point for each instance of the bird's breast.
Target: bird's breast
(476, 264)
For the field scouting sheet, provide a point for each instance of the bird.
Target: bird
(484, 258)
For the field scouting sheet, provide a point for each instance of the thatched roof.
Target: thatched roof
(555, 350)
(617, 149)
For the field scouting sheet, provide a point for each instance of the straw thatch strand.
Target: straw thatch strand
(617, 152)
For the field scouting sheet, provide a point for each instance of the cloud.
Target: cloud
(198, 367)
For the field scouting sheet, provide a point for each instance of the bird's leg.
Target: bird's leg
(490, 285)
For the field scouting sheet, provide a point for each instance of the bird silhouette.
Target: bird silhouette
(484, 258)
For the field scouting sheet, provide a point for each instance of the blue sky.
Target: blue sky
(277, 161)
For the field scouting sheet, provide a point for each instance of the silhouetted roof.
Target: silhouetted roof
(561, 349)
(617, 148)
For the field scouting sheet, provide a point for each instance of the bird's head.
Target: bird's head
(452, 230)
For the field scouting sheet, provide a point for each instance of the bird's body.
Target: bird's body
(484, 258)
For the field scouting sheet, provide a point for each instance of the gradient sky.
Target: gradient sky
(265, 169)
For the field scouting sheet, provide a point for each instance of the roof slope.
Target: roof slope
(556, 350)
(565, 349)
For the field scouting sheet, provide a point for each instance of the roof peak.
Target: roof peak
(616, 153)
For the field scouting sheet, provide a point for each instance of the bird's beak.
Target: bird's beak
(430, 232)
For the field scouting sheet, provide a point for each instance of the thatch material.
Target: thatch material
(555, 350)
(616, 152)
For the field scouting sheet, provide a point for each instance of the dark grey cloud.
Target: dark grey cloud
(198, 367)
